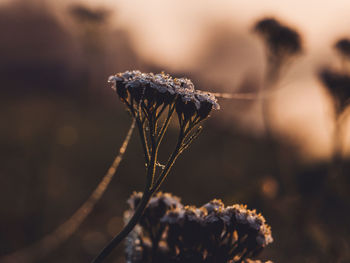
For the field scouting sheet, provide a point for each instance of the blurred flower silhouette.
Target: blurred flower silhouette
(86, 15)
(343, 47)
(171, 232)
(282, 43)
(338, 85)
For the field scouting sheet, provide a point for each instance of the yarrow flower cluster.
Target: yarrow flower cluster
(152, 100)
(213, 233)
(152, 91)
(148, 96)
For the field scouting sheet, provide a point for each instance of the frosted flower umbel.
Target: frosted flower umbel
(152, 100)
(154, 91)
(212, 233)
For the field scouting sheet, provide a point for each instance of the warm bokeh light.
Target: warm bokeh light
(174, 35)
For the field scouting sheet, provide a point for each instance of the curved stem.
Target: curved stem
(138, 213)
(144, 143)
(169, 164)
(126, 230)
(165, 124)
(165, 172)
(336, 164)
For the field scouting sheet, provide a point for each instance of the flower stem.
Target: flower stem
(144, 143)
(169, 164)
(126, 230)
(147, 194)
(336, 163)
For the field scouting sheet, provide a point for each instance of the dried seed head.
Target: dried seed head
(211, 233)
(214, 205)
(163, 84)
(156, 209)
(157, 89)
(207, 102)
(248, 222)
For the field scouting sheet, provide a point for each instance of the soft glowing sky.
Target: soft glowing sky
(172, 28)
(170, 32)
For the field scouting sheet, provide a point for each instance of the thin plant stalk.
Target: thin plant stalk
(236, 96)
(132, 222)
(147, 96)
(152, 184)
(150, 188)
(50, 242)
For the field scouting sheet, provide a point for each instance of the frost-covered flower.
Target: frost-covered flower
(154, 90)
(211, 233)
(152, 100)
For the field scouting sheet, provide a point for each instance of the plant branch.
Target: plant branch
(139, 210)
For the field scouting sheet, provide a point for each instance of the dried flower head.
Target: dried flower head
(156, 209)
(155, 90)
(343, 47)
(214, 206)
(338, 84)
(281, 41)
(211, 233)
(149, 97)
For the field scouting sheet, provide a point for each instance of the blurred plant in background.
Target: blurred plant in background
(282, 45)
(337, 83)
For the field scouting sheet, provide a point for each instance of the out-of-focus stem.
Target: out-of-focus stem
(336, 165)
